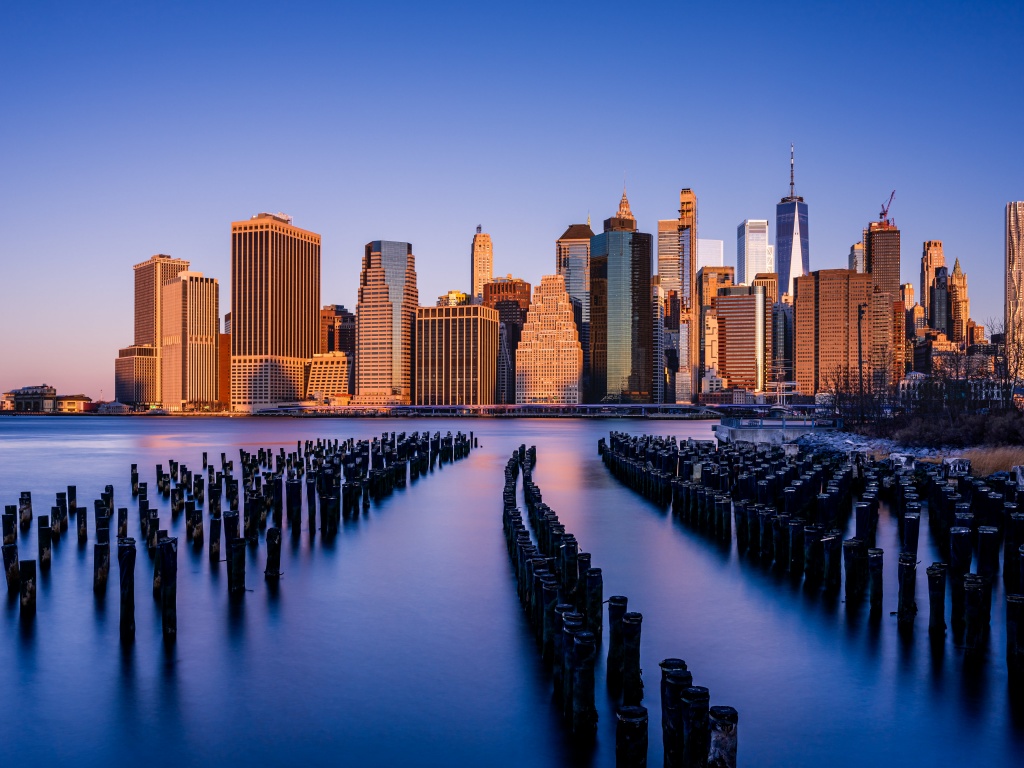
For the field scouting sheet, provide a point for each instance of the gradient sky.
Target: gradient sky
(128, 129)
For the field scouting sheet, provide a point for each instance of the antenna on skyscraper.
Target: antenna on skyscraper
(791, 168)
(479, 228)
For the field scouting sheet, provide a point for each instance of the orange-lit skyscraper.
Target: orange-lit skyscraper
(188, 355)
(740, 313)
(275, 309)
(482, 263)
(1013, 308)
(882, 256)
(456, 355)
(677, 271)
(931, 259)
(385, 324)
(549, 361)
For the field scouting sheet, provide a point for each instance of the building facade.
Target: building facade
(752, 250)
(327, 377)
(481, 263)
(882, 256)
(740, 315)
(855, 260)
(932, 258)
(456, 355)
(710, 253)
(386, 324)
(572, 262)
(510, 297)
(709, 280)
(959, 306)
(275, 310)
(549, 362)
(136, 374)
(189, 361)
(677, 271)
(620, 313)
(1013, 307)
(792, 237)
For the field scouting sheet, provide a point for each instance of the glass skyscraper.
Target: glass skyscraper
(752, 250)
(621, 334)
(792, 243)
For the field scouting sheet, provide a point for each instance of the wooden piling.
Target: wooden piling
(723, 723)
(584, 713)
(27, 573)
(875, 578)
(631, 737)
(937, 599)
(100, 567)
(273, 567)
(214, 549)
(696, 735)
(43, 534)
(616, 611)
(126, 567)
(632, 683)
(12, 569)
(10, 525)
(169, 588)
(907, 578)
(675, 678)
(236, 567)
(1015, 642)
(25, 510)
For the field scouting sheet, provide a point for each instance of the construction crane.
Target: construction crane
(884, 215)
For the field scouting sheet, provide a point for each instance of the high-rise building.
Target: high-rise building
(224, 371)
(191, 331)
(481, 264)
(769, 282)
(709, 280)
(456, 355)
(710, 253)
(572, 262)
(660, 375)
(938, 302)
(959, 305)
(884, 347)
(931, 259)
(385, 324)
(782, 341)
(856, 259)
(150, 278)
(907, 295)
(620, 310)
(677, 270)
(275, 309)
(510, 296)
(751, 250)
(1013, 306)
(830, 318)
(338, 334)
(740, 313)
(792, 239)
(327, 376)
(454, 299)
(882, 256)
(549, 361)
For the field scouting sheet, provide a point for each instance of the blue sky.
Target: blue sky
(128, 129)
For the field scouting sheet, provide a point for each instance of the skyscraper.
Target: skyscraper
(456, 355)
(830, 332)
(188, 355)
(572, 262)
(907, 295)
(938, 302)
(710, 253)
(709, 280)
(740, 312)
(1013, 307)
(658, 341)
(510, 296)
(959, 305)
(549, 362)
(677, 271)
(751, 250)
(931, 259)
(275, 309)
(769, 281)
(620, 310)
(338, 334)
(482, 263)
(137, 370)
(792, 241)
(385, 324)
(882, 255)
(856, 258)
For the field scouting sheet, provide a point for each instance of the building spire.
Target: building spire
(791, 170)
(624, 212)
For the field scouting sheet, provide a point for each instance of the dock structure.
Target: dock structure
(773, 427)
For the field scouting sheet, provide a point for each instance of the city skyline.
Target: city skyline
(137, 156)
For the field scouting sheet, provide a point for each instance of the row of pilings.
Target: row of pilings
(562, 597)
(790, 506)
(340, 478)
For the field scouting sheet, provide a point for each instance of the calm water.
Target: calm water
(402, 643)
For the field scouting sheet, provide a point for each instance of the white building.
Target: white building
(753, 253)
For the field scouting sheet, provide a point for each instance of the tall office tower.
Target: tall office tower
(1013, 306)
(782, 340)
(150, 277)
(456, 355)
(659, 372)
(677, 270)
(769, 282)
(751, 250)
(882, 254)
(938, 302)
(959, 305)
(572, 262)
(549, 361)
(709, 280)
(830, 316)
(327, 377)
(224, 371)
(275, 309)
(792, 239)
(482, 263)
(885, 348)
(710, 253)
(931, 259)
(907, 295)
(454, 299)
(915, 321)
(385, 324)
(709, 336)
(337, 330)
(975, 333)
(227, 323)
(510, 296)
(856, 259)
(188, 355)
(620, 310)
(740, 312)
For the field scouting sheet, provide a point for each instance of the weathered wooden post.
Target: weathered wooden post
(236, 568)
(12, 569)
(10, 526)
(72, 499)
(723, 722)
(584, 713)
(631, 737)
(126, 567)
(696, 736)
(907, 577)
(25, 510)
(616, 611)
(595, 601)
(100, 566)
(937, 599)
(214, 539)
(43, 533)
(875, 578)
(27, 573)
(169, 588)
(153, 530)
(675, 678)
(273, 568)
(632, 684)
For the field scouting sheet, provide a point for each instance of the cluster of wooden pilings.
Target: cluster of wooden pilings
(791, 505)
(562, 597)
(340, 477)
